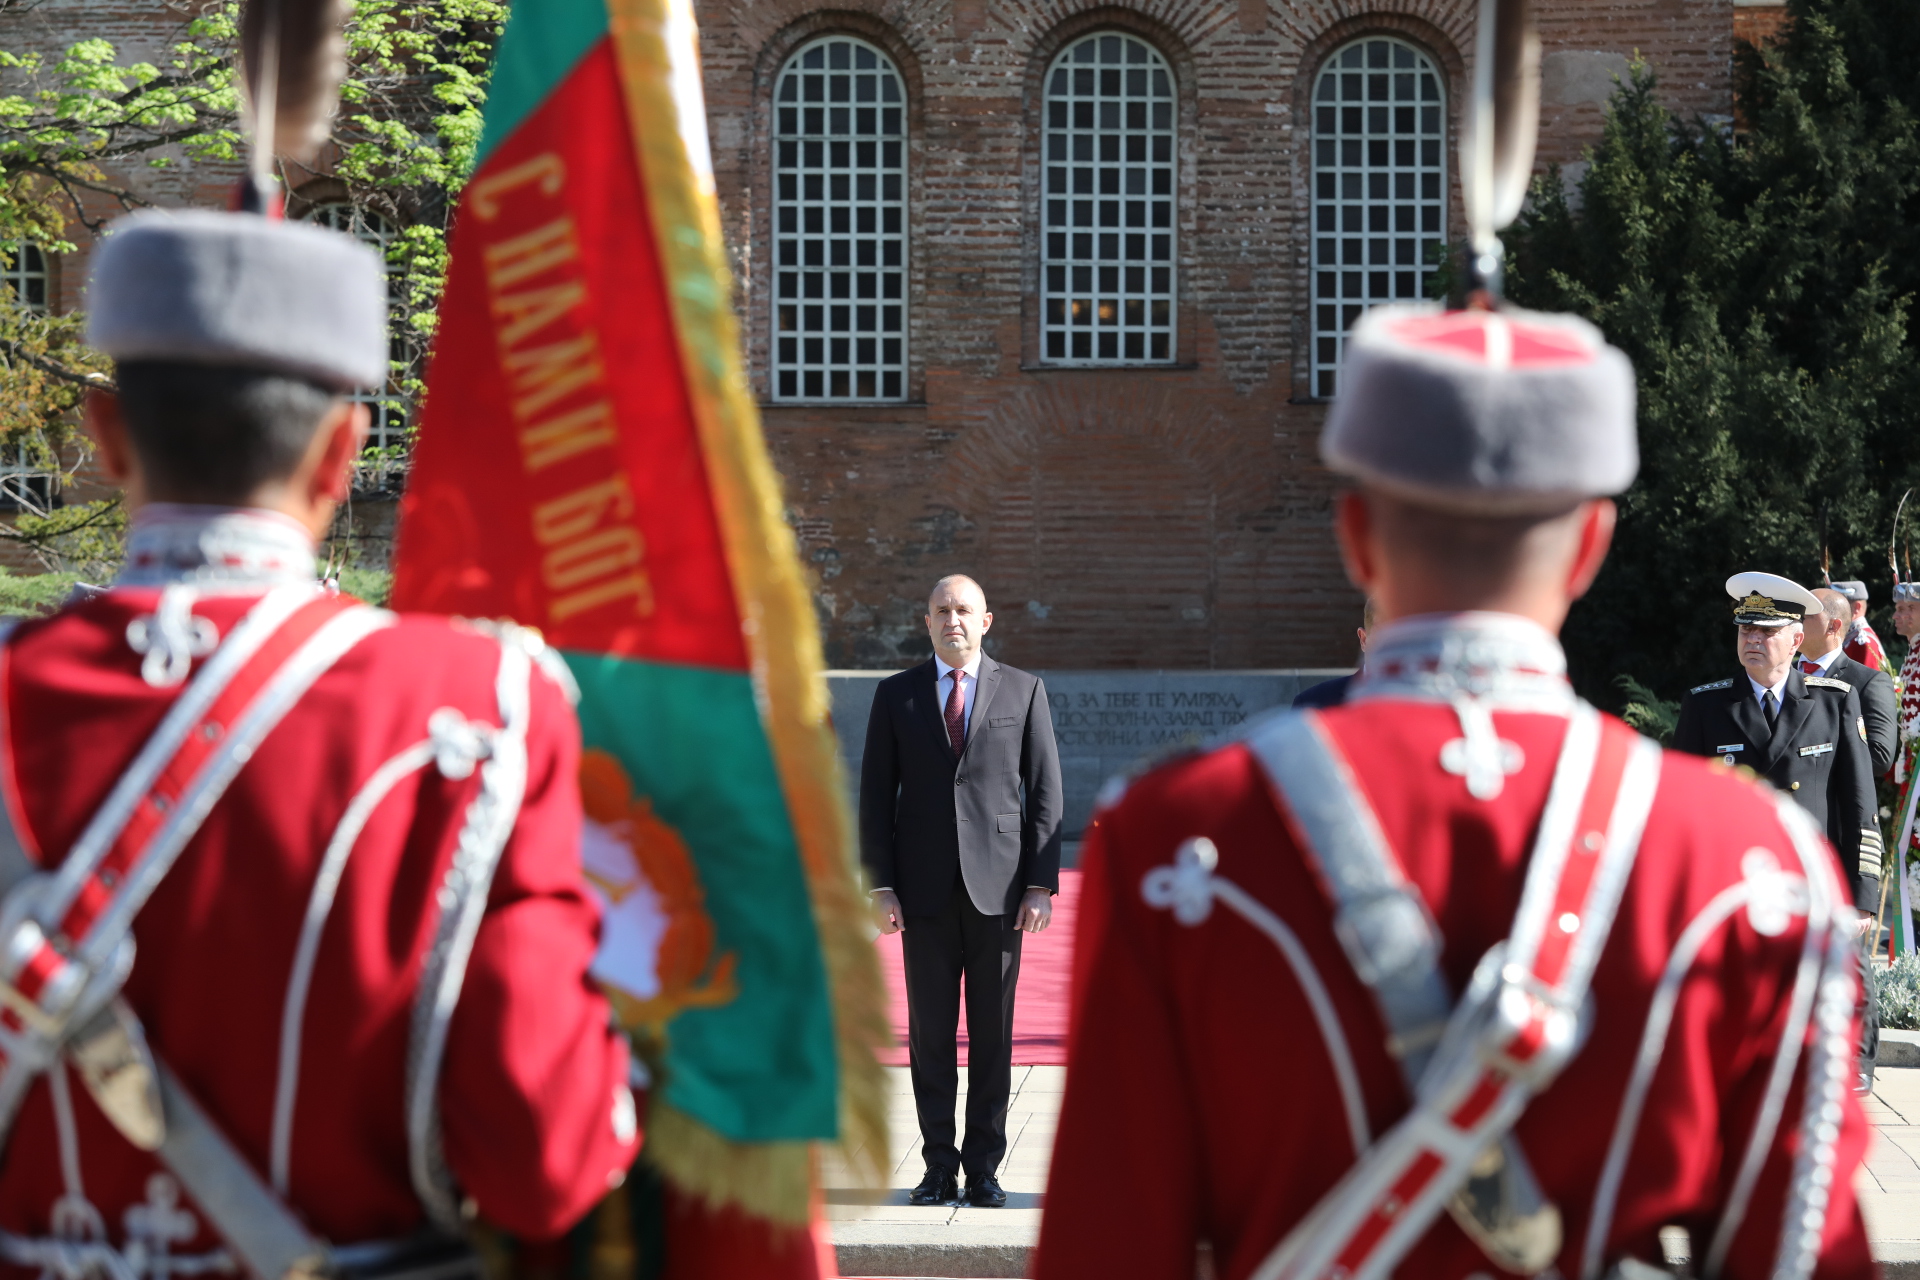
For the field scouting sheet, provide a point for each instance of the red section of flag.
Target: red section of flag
(558, 478)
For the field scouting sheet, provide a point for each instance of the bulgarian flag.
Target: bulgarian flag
(590, 463)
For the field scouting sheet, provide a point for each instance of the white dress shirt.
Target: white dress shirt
(1779, 691)
(1824, 661)
(969, 682)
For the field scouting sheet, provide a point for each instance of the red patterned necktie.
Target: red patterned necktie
(1808, 667)
(957, 715)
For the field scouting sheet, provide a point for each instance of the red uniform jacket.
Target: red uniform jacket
(1201, 1104)
(534, 1105)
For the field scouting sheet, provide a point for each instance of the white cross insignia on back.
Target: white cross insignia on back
(1480, 755)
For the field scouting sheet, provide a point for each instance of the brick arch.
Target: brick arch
(1441, 29)
(1083, 17)
(757, 161)
(811, 24)
(1423, 34)
(1172, 45)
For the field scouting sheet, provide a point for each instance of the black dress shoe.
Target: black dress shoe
(983, 1191)
(939, 1187)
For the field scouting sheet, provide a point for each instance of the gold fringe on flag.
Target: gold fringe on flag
(656, 43)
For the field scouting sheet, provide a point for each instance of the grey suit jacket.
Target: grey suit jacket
(990, 815)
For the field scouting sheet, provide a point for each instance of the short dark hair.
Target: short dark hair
(215, 433)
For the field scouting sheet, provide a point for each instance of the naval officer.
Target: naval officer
(1805, 734)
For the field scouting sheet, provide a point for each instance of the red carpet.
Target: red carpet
(1039, 1004)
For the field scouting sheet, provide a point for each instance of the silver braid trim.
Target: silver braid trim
(462, 901)
(1829, 1074)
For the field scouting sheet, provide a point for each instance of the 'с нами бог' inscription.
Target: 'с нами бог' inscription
(1141, 719)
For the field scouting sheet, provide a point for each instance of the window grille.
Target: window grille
(25, 272)
(1107, 263)
(840, 173)
(26, 483)
(386, 405)
(1379, 172)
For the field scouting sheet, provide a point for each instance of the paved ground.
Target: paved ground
(1889, 1187)
(880, 1234)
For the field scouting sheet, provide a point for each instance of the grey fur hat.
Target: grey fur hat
(237, 289)
(1853, 589)
(1485, 412)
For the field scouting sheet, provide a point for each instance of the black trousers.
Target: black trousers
(937, 951)
(1869, 1007)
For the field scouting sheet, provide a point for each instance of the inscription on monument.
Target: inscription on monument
(1144, 719)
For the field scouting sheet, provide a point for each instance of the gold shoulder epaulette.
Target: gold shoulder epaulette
(1827, 682)
(1708, 688)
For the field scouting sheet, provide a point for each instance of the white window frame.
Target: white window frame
(24, 265)
(1379, 189)
(24, 485)
(839, 318)
(1109, 205)
(389, 408)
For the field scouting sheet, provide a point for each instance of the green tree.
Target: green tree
(1761, 281)
(83, 134)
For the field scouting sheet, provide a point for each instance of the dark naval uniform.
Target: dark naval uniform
(1815, 751)
(1877, 699)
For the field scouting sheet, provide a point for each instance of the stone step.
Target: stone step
(1898, 1049)
(901, 1249)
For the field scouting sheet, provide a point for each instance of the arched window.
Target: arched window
(1107, 287)
(25, 272)
(1379, 194)
(839, 210)
(27, 483)
(388, 406)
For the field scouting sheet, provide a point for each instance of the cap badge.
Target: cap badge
(1756, 605)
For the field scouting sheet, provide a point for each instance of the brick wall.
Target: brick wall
(1166, 517)
(1169, 517)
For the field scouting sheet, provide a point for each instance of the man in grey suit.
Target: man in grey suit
(960, 832)
(1820, 655)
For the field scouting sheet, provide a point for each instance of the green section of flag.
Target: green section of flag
(761, 1068)
(544, 40)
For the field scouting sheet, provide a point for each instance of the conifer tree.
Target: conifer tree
(1762, 280)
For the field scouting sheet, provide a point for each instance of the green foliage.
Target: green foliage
(1762, 285)
(34, 595)
(1898, 986)
(85, 121)
(1646, 711)
(81, 129)
(408, 129)
(370, 585)
(45, 369)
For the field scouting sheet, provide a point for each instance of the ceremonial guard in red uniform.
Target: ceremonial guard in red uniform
(1461, 976)
(293, 938)
(1863, 642)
